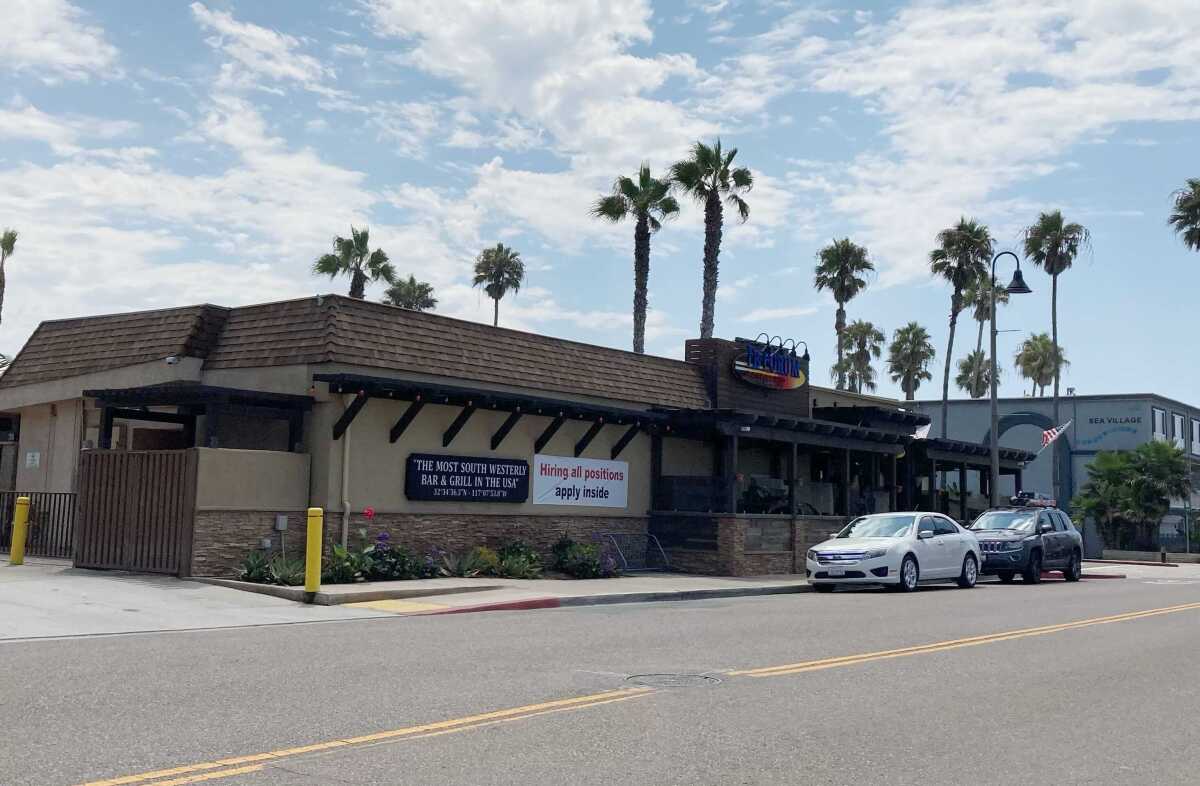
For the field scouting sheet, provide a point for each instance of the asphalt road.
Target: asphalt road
(543, 697)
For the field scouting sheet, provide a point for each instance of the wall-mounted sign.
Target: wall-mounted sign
(561, 480)
(771, 365)
(33, 459)
(429, 477)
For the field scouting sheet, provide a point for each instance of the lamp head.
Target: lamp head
(1018, 285)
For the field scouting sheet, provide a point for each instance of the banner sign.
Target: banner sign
(561, 480)
(436, 478)
(770, 365)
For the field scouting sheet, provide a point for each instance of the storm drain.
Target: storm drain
(673, 680)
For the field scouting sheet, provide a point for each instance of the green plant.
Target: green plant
(519, 566)
(286, 572)
(518, 548)
(345, 566)
(584, 560)
(390, 562)
(559, 551)
(489, 560)
(256, 568)
(466, 565)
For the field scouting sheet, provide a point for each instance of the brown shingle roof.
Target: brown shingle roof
(337, 329)
(361, 333)
(70, 347)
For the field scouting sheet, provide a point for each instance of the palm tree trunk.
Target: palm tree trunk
(641, 278)
(495, 312)
(839, 326)
(712, 248)
(358, 284)
(954, 309)
(1056, 480)
(979, 340)
(2, 284)
(909, 393)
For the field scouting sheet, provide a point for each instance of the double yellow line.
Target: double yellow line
(241, 765)
(954, 644)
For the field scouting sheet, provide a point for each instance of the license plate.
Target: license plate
(837, 571)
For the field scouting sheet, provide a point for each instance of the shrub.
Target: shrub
(389, 562)
(519, 548)
(519, 566)
(585, 561)
(559, 551)
(344, 566)
(286, 572)
(256, 568)
(465, 565)
(489, 560)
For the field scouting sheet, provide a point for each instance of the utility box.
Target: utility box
(281, 522)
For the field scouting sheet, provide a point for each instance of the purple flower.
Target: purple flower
(382, 537)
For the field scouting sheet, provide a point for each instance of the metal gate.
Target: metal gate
(51, 522)
(136, 510)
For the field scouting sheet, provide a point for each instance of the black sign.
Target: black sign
(435, 478)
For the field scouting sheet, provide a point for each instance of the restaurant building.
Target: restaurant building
(181, 439)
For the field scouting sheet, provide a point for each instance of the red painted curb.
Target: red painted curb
(512, 605)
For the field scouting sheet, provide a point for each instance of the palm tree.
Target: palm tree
(862, 342)
(974, 375)
(411, 294)
(8, 247)
(498, 270)
(1185, 217)
(707, 177)
(650, 203)
(962, 257)
(1052, 244)
(839, 268)
(352, 257)
(1039, 360)
(909, 356)
(976, 297)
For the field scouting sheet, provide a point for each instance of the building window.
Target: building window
(1160, 422)
(1195, 437)
(1177, 432)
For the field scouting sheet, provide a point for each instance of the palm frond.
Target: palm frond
(743, 209)
(610, 208)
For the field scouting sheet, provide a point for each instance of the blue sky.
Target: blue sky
(180, 153)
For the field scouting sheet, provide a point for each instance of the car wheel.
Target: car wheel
(910, 574)
(1033, 571)
(1006, 576)
(824, 587)
(970, 572)
(1074, 569)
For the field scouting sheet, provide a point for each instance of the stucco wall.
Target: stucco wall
(51, 432)
(377, 467)
(248, 480)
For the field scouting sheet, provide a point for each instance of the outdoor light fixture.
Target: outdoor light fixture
(1017, 287)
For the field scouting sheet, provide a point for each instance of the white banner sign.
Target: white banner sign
(561, 480)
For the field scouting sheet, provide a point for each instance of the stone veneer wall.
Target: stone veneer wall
(221, 538)
(757, 546)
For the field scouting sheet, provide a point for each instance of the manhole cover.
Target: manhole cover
(673, 680)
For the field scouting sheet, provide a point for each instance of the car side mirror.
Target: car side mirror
(1044, 528)
(925, 534)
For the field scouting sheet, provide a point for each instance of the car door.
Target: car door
(931, 550)
(956, 544)
(1051, 550)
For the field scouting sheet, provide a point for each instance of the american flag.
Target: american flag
(1051, 434)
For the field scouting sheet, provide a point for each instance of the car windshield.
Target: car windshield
(1019, 520)
(883, 526)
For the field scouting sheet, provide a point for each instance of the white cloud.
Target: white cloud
(770, 314)
(978, 96)
(62, 133)
(260, 57)
(406, 126)
(50, 39)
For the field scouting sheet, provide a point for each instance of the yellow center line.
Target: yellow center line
(454, 724)
(942, 646)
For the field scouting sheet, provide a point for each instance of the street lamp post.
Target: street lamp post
(1017, 287)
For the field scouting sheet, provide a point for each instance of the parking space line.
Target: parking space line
(943, 646)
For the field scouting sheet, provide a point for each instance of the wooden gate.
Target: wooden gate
(136, 510)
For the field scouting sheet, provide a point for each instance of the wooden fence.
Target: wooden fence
(136, 510)
(51, 530)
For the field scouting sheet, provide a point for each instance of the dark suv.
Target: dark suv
(1028, 539)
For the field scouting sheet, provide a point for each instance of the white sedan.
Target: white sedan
(899, 550)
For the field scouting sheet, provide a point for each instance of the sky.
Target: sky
(162, 154)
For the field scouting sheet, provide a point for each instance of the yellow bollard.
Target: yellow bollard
(312, 553)
(16, 555)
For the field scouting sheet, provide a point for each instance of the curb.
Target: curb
(337, 598)
(554, 602)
